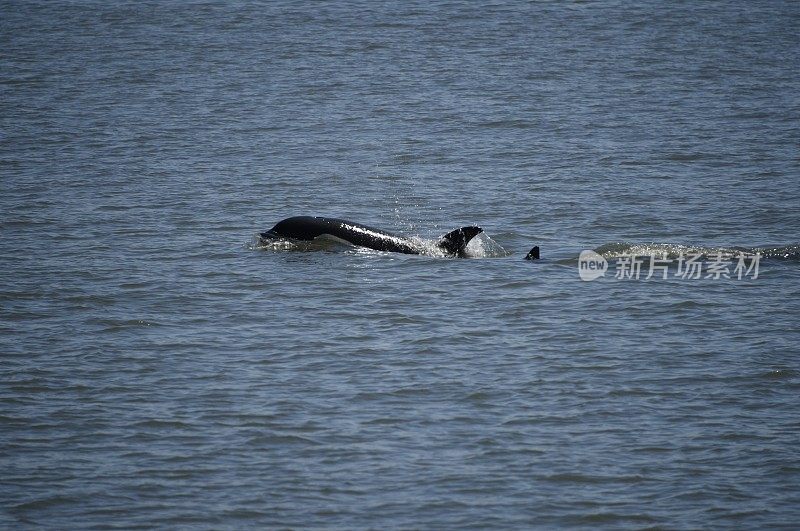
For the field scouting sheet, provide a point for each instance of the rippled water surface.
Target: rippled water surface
(161, 368)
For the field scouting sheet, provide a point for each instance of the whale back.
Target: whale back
(304, 227)
(308, 228)
(311, 227)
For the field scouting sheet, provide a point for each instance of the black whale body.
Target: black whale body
(310, 227)
(307, 228)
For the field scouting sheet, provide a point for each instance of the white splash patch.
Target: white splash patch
(426, 247)
(279, 244)
(287, 244)
(482, 246)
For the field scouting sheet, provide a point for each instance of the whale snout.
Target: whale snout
(269, 235)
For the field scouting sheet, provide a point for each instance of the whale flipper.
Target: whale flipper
(455, 242)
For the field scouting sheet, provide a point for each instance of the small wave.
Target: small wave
(481, 246)
(779, 374)
(320, 244)
(785, 252)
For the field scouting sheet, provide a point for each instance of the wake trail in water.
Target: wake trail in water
(673, 250)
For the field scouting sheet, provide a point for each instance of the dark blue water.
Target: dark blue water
(161, 368)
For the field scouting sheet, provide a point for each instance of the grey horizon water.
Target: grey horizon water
(159, 370)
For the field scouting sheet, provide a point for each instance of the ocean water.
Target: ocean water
(159, 367)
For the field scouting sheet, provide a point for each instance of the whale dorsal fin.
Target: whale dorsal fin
(533, 254)
(455, 242)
